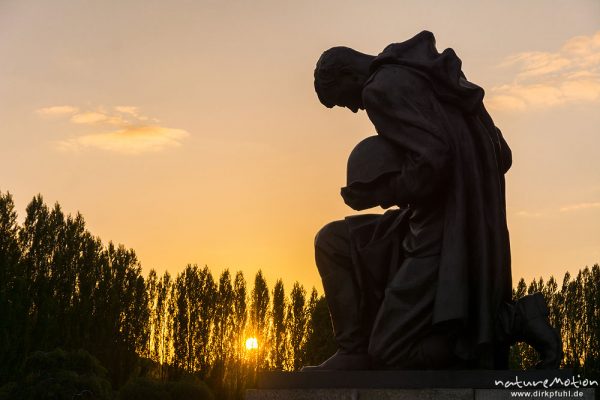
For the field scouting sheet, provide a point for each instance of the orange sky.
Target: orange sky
(190, 131)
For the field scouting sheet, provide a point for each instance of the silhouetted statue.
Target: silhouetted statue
(428, 284)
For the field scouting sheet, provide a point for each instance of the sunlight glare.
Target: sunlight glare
(251, 343)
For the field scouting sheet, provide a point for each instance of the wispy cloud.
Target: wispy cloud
(89, 118)
(57, 110)
(130, 140)
(131, 132)
(134, 112)
(563, 209)
(580, 206)
(127, 109)
(529, 214)
(548, 79)
(536, 63)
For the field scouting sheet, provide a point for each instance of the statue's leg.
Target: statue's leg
(343, 295)
(332, 256)
(526, 320)
(403, 335)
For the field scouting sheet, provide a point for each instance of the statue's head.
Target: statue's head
(340, 75)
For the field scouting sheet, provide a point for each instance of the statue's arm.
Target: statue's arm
(505, 152)
(381, 192)
(504, 158)
(403, 109)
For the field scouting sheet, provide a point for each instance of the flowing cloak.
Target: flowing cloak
(421, 101)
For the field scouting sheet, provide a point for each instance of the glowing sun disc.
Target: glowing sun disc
(251, 343)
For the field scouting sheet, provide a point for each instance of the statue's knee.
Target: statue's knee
(328, 233)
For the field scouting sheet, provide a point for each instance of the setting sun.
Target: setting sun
(251, 343)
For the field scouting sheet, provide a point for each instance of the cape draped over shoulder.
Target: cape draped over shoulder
(421, 101)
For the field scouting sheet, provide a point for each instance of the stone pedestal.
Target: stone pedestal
(422, 385)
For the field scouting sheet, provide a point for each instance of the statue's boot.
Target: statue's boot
(343, 304)
(526, 320)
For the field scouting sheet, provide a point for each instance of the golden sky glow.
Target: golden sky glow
(190, 131)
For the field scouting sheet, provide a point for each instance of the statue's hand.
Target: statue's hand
(361, 196)
(357, 199)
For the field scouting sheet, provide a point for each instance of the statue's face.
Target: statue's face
(346, 92)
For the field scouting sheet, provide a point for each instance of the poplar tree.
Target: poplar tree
(153, 331)
(121, 312)
(181, 322)
(259, 307)
(206, 301)
(64, 255)
(195, 300)
(296, 323)
(278, 333)
(13, 295)
(163, 325)
(223, 340)
(320, 343)
(36, 240)
(87, 274)
(239, 374)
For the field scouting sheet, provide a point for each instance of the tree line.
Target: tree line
(62, 288)
(68, 302)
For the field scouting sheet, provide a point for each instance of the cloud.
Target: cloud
(580, 206)
(88, 118)
(133, 111)
(134, 132)
(95, 117)
(57, 110)
(528, 214)
(567, 208)
(550, 79)
(127, 109)
(537, 63)
(131, 140)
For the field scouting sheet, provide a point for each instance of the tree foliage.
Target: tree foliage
(59, 374)
(61, 287)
